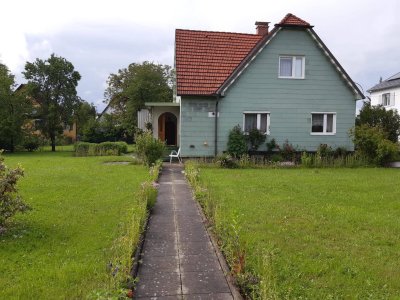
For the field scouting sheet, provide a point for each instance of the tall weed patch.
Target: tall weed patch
(123, 250)
(228, 231)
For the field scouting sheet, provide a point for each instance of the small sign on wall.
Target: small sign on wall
(211, 114)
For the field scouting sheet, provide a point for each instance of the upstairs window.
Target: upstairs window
(386, 99)
(323, 123)
(256, 120)
(291, 67)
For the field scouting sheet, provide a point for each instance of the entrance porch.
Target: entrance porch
(164, 118)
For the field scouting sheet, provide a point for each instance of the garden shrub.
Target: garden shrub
(31, 143)
(272, 145)
(372, 142)
(256, 138)
(102, 149)
(10, 201)
(276, 157)
(340, 152)
(237, 145)
(288, 152)
(324, 150)
(226, 161)
(148, 148)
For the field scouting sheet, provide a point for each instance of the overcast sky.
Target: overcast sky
(100, 37)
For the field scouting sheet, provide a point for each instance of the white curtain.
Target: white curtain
(250, 122)
(285, 67)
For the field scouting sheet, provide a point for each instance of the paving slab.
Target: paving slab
(178, 260)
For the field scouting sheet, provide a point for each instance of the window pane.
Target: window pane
(317, 123)
(298, 67)
(263, 125)
(329, 123)
(250, 122)
(285, 66)
(386, 99)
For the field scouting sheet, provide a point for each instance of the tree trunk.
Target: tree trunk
(53, 143)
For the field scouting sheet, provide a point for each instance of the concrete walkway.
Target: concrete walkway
(178, 259)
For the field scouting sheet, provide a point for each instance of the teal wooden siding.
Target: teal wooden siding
(289, 101)
(197, 128)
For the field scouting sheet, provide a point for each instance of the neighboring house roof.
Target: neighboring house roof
(391, 82)
(207, 62)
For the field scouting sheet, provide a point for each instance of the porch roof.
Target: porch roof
(166, 104)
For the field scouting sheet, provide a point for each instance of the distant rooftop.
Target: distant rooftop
(391, 82)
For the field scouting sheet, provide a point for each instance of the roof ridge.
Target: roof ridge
(213, 31)
(393, 77)
(295, 20)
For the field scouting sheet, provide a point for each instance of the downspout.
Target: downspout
(216, 127)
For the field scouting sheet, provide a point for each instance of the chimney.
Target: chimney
(262, 28)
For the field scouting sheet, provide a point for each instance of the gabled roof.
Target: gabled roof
(208, 62)
(292, 20)
(204, 59)
(391, 82)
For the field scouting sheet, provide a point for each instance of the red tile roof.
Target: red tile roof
(291, 19)
(205, 59)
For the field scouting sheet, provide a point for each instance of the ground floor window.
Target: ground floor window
(256, 120)
(323, 123)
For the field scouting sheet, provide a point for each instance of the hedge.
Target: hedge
(102, 149)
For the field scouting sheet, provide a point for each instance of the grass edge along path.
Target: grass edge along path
(305, 233)
(78, 240)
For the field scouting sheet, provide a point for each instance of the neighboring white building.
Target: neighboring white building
(387, 93)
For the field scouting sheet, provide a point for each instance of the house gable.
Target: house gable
(290, 102)
(290, 22)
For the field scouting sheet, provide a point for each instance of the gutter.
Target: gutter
(216, 126)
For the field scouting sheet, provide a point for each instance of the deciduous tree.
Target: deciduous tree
(377, 116)
(131, 87)
(14, 109)
(53, 85)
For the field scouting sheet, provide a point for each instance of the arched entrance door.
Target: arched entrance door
(167, 128)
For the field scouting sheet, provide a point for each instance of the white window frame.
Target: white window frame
(258, 113)
(293, 57)
(389, 103)
(325, 123)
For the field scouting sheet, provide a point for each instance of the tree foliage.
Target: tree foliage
(378, 116)
(237, 145)
(148, 148)
(52, 85)
(372, 143)
(131, 87)
(14, 109)
(10, 202)
(85, 114)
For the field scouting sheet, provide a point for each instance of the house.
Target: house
(284, 82)
(69, 131)
(387, 93)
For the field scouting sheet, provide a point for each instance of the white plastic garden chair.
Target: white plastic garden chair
(176, 155)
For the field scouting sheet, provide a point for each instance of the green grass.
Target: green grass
(313, 234)
(61, 248)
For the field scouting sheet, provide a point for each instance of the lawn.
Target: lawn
(60, 249)
(313, 234)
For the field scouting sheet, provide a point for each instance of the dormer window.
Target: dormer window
(291, 67)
